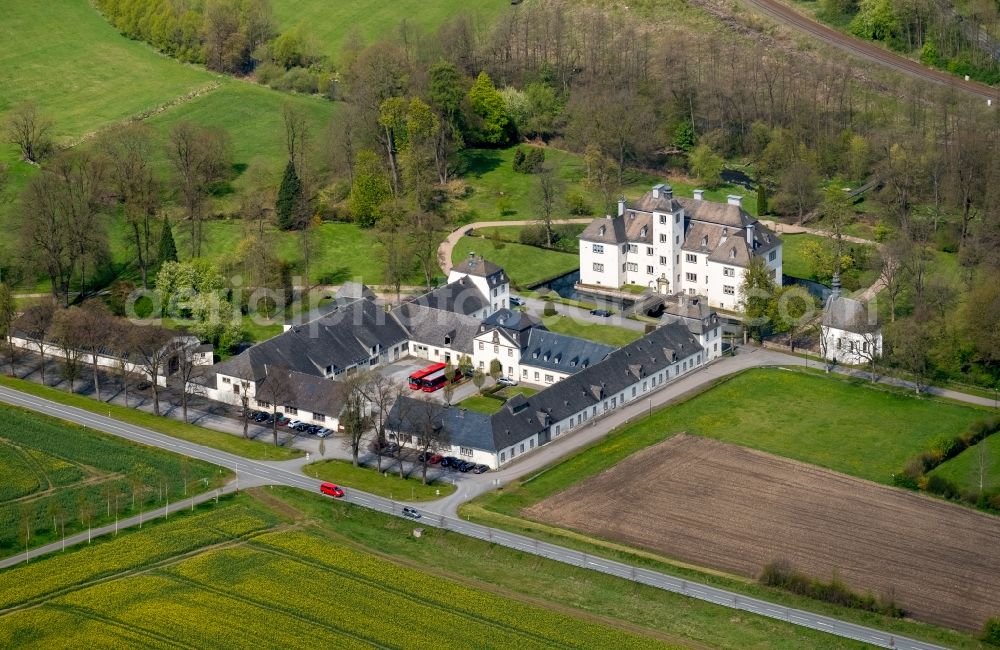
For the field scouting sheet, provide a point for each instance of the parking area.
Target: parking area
(400, 370)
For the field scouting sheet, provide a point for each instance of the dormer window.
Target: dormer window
(704, 241)
(642, 233)
(732, 253)
(602, 230)
(447, 340)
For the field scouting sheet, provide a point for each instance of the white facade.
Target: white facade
(496, 344)
(850, 348)
(659, 239)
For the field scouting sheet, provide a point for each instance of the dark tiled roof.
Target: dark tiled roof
(693, 311)
(518, 325)
(465, 428)
(460, 297)
(340, 339)
(562, 353)
(480, 267)
(437, 327)
(847, 314)
(607, 230)
(522, 417)
(310, 393)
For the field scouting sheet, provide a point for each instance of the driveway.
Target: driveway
(446, 247)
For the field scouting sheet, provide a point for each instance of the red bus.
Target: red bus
(437, 380)
(416, 379)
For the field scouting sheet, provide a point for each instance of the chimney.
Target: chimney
(656, 190)
(750, 235)
(734, 199)
(621, 206)
(699, 195)
(667, 192)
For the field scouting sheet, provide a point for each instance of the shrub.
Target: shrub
(268, 72)
(528, 162)
(991, 632)
(533, 235)
(578, 204)
(942, 487)
(780, 573)
(994, 501)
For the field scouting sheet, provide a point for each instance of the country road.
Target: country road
(288, 473)
(782, 13)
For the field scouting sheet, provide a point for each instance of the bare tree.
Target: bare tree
(28, 130)
(154, 351)
(70, 336)
(549, 193)
(296, 136)
(98, 325)
(129, 151)
(8, 313)
(429, 431)
(381, 392)
(870, 347)
(35, 323)
(200, 158)
(120, 347)
(244, 382)
(983, 462)
(187, 367)
(890, 276)
(355, 419)
(276, 389)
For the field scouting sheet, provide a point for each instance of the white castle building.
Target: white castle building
(676, 245)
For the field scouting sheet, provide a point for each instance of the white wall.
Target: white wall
(103, 361)
(505, 350)
(611, 258)
(849, 348)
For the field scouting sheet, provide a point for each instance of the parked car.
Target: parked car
(479, 469)
(516, 302)
(312, 428)
(294, 424)
(282, 421)
(603, 313)
(303, 427)
(261, 417)
(410, 512)
(323, 432)
(143, 385)
(464, 466)
(450, 461)
(332, 490)
(507, 381)
(435, 459)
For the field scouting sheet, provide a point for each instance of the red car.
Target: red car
(333, 490)
(435, 459)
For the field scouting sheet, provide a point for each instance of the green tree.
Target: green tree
(496, 369)
(290, 206)
(369, 190)
(684, 137)
(168, 249)
(493, 125)
(761, 198)
(706, 165)
(757, 297)
(876, 20)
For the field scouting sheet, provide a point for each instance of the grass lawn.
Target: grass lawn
(389, 485)
(963, 470)
(481, 404)
(190, 432)
(525, 264)
(796, 261)
(332, 22)
(567, 232)
(607, 334)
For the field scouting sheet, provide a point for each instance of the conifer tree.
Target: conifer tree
(168, 249)
(290, 203)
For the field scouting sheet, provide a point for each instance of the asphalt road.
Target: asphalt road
(785, 14)
(286, 473)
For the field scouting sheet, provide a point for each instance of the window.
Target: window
(480, 365)
(774, 274)
(531, 443)
(663, 260)
(536, 375)
(263, 405)
(319, 417)
(227, 380)
(548, 379)
(236, 389)
(677, 240)
(677, 218)
(465, 451)
(632, 266)
(447, 340)
(729, 290)
(598, 248)
(663, 238)
(633, 391)
(691, 277)
(729, 272)
(522, 448)
(690, 257)
(649, 250)
(597, 267)
(663, 218)
(524, 372)
(496, 349)
(633, 248)
(503, 456)
(773, 256)
(510, 352)
(649, 270)
(480, 345)
(291, 410)
(643, 231)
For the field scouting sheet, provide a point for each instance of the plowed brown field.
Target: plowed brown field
(724, 506)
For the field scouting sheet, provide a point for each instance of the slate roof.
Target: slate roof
(638, 227)
(522, 417)
(693, 311)
(480, 267)
(309, 393)
(465, 428)
(517, 324)
(607, 230)
(562, 353)
(340, 339)
(461, 297)
(847, 314)
(438, 328)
